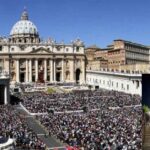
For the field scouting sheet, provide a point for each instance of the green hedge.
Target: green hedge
(50, 91)
(146, 108)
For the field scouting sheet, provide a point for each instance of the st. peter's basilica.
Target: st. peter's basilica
(31, 60)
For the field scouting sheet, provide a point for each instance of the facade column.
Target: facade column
(5, 95)
(51, 70)
(36, 70)
(45, 69)
(83, 72)
(72, 70)
(17, 71)
(30, 70)
(27, 71)
(54, 70)
(62, 70)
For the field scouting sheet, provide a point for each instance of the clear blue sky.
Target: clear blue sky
(94, 21)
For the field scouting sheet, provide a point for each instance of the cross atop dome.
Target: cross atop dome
(24, 15)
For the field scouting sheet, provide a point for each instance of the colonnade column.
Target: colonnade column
(51, 70)
(36, 70)
(62, 69)
(45, 69)
(54, 70)
(5, 96)
(30, 70)
(27, 71)
(17, 71)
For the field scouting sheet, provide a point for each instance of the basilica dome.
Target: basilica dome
(24, 31)
(24, 26)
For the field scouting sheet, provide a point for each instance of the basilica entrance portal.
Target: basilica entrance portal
(41, 71)
(41, 76)
(22, 77)
(58, 76)
(78, 75)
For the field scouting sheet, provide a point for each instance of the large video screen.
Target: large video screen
(146, 110)
(146, 90)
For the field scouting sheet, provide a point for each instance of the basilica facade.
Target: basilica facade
(28, 59)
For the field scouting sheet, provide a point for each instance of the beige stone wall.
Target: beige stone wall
(119, 44)
(116, 58)
(101, 54)
(97, 64)
(90, 53)
(104, 63)
(145, 68)
(136, 67)
(94, 65)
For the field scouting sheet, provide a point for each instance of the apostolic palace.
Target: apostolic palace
(29, 59)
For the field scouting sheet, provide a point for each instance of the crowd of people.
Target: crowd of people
(40, 102)
(100, 130)
(14, 126)
(111, 122)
